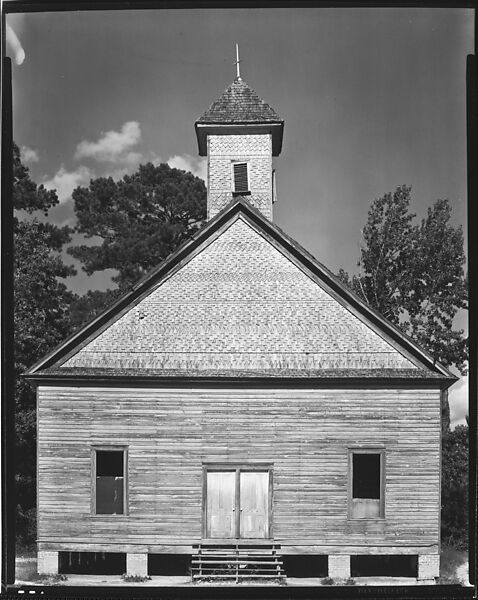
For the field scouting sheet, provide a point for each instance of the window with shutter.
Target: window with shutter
(241, 178)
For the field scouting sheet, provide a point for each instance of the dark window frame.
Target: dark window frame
(109, 448)
(366, 450)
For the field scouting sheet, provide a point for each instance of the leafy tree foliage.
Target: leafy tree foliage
(41, 320)
(85, 308)
(27, 195)
(413, 275)
(455, 487)
(141, 219)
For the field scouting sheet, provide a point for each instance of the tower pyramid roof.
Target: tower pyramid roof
(239, 110)
(239, 103)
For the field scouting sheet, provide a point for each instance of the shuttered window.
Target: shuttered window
(241, 178)
(110, 482)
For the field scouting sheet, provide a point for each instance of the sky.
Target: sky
(372, 98)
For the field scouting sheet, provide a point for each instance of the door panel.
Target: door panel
(254, 503)
(220, 508)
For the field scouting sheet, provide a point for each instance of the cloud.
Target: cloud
(64, 182)
(186, 162)
(13, 43)
(458, 400)
(113, 146)
(115, 150)
(29, 155)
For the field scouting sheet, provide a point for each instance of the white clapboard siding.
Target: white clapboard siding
(304, 433)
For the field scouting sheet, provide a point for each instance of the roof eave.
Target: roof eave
(275, 128)
(47, 378)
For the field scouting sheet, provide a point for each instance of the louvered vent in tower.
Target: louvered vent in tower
(241, 178)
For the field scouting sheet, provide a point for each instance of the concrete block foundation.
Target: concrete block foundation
(47, 562)
(339, 566)
(137, 564)
(428, 566)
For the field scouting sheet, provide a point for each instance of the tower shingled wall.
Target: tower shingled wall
(223, 150)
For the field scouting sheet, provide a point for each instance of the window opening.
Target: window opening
(367, 488)
(110, 482)
(366, 476)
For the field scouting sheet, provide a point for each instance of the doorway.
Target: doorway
(238, 503)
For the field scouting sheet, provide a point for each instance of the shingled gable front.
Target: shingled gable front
(240, 300)
(239, 396)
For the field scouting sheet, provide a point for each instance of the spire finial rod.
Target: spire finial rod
(238, 70)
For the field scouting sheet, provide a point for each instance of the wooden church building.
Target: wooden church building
(239, 407)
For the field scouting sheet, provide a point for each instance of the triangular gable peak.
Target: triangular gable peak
(241, 299)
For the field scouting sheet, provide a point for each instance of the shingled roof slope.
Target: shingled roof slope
(240, 298)
(239, 104)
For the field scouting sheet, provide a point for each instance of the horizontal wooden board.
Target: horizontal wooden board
(305, 434)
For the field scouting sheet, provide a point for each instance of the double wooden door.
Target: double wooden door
(237, 504)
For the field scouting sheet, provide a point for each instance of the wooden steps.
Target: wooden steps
(237, 562)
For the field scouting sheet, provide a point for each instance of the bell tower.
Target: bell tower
(239, 134)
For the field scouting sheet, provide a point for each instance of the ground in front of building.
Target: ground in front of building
(453, 570)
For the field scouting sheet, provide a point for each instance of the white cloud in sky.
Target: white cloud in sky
(186, 162)
(64, 182)
(113, 146)
(458, 400)
(29, 155)
(14, 45)
(116, 149)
